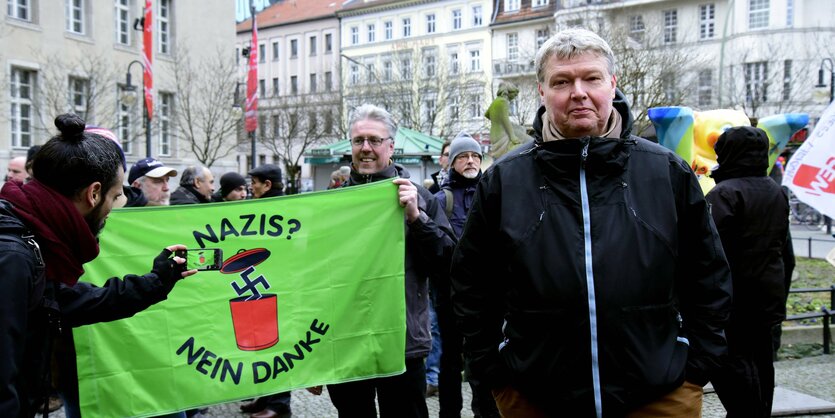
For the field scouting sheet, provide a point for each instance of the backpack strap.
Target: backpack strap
(448, 203)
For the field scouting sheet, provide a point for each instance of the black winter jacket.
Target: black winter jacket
(429, 245)
(751, 213)
(187, 195)
(25, 333)
(591, 265)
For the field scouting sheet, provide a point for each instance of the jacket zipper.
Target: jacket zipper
(595, 360)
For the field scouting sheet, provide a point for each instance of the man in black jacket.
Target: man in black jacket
(590, 280)
(751, 213)
(429, 245)
(196, 186)
(48, 230)
(266, 181)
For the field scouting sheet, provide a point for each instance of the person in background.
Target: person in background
(232, 188)
(266, 181)
(751, 213)
(30, 155)
(149, 178)
(196, 186)
(439, 177)
(17, 170)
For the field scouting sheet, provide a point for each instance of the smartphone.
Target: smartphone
(202, 259)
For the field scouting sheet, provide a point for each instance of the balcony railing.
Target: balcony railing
(512, 68)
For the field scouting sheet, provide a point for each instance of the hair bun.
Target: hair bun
(71, 126)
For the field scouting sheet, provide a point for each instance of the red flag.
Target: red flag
(148, 49)
(251, 121)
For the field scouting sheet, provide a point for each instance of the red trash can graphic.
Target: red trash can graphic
(254, 314)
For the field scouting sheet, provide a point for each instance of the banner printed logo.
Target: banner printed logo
(816, 180)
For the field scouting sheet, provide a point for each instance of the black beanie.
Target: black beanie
(230, 181)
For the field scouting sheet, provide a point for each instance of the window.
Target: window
(540, 3)
(355, 74)
(276, 88)
(355, 35)
(706, 88)
(74, 16)
(164, 26)
(707, 21)
(541, 37)
(328, 122)
(79, 89)
(386, 70)
(262, 88)
(370, 72)
(454, 66)
(124, 124)
(453, 107)
(787, 80)
(429, 110)
(166, 103)
(512, 46)
(22, 95)
(429, 65)
(789, 13)
(475, 60)
(312, 42)
(477, 16)
(262, 135)
(668, 83)
(637, 28)
(20, 9)
(294, 84)
(430, 23)
(757, 14)
(123, 28)
(670, 26)
(262, 53)
(475, 106)
(756, 86)
(294, 48)
(407, 27)
(328, 81)
(406, 68)
(313, 82)
(275, 51)
(387, 29)
(328, 43)
(456, 19)
(511, 5)
(276, 125)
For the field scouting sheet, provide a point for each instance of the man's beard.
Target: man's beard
(94, 219)
(470, 174)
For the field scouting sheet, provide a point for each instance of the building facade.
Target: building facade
(74, 56)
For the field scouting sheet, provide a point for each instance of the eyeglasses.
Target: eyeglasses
(372, 140)
(446, 154)
(467, 155)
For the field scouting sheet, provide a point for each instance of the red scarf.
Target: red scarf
(62, 233)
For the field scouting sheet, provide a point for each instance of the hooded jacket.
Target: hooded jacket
(25, 331)
(590, 275)
(429, 245)
(751, 213)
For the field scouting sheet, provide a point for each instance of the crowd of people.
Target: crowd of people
(583, 274)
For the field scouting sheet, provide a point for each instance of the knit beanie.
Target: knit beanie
(463, 142)
(230, 181)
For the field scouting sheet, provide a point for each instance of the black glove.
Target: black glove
(168, 270)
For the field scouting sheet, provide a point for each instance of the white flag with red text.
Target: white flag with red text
(810, 173)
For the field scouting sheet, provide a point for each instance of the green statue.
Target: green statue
(504, 134)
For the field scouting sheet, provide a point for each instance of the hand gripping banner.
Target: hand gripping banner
(310, 291)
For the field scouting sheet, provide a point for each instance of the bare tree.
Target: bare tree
(205, 92)
(292, 125)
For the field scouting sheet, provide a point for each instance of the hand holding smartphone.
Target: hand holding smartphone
(202, 259)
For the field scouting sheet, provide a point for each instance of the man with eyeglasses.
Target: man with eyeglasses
(456, 197)
(429, 246)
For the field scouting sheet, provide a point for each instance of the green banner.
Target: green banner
(309, 292)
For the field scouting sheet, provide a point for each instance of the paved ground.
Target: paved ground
(813, 376)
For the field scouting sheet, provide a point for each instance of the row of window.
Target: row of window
(405, 29)
(758, 15)
(275, 52)
(22, 89)
(400, 67)
(515, 5)
(78, 18)
(312, 85)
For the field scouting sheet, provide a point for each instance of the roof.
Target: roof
(525, 12)
(292, 11)
(409, 145)
(357, 6)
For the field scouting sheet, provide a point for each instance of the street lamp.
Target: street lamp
(129, 97)
(827, 220)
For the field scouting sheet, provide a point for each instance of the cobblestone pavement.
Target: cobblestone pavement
(812, 375)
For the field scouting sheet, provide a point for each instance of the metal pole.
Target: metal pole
(147, 122)
(251, 49)
(826, 219)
